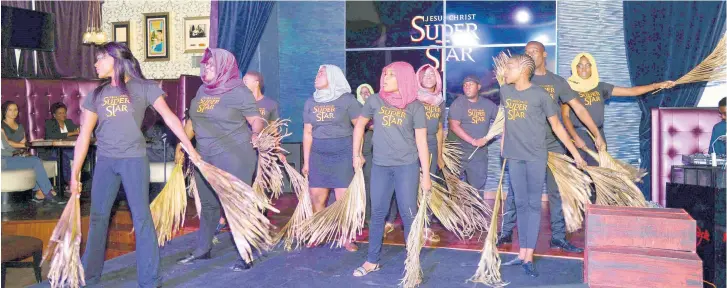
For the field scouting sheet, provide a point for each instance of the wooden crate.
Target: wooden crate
(671, 229)
(616, 266)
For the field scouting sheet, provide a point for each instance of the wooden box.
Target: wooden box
(614, 266)
(671, 229)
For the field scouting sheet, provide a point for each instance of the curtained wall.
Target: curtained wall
(665, 40)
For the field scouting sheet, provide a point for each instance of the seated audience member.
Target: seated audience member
(13, 141)
(60, 127)
(718, 145)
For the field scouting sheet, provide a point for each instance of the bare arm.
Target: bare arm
(563, 137)
(257, 123)
(440, 145)
(81, 148)
(307, 143)
(420, 135)
(160, 105)
(640, 90)
(455, 126)
(358, 133)
(565, 112)
(586, 119)
(189, 131)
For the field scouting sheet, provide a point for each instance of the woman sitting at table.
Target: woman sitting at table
(13, 139)
(61, 127)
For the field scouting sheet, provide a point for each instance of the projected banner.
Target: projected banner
(381, 32)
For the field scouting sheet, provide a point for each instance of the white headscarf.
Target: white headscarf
(337, 85)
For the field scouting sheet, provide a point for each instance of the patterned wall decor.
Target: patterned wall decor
(133, 11)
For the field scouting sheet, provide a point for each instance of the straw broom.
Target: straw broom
(192, 189)
(500, 63)
(340, 222)
(415, 242)
(250, 229)
(291, 231)
(574, 187)
(64, 247)
(615, 188)
(605, 160)
(466, 197)
(169, 207)
(450, 213)
(488, 270)
(713, 68)
(269, 174)
(452, 156)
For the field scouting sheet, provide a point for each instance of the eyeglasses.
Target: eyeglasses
(583, 66)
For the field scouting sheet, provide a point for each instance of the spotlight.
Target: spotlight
(523, 16)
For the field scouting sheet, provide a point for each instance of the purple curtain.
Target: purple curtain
(71, 58)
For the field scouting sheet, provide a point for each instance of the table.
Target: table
(59, 145)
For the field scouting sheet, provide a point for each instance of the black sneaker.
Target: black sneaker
(504, 239)
(241, 265)
(530, 270)
(514, 262)
(564, 245)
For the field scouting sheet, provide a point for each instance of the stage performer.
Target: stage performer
(400, 139)
(593, 94)
(469, 120)
(529, 109)
(267, 107)
(561, 93)
(362, 94)
(219, 116)
(119, 105)
(328, 119)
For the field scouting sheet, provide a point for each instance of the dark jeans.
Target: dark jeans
(526, 180)
(475, 169)
(241, 164)
(66, 165)
(433, 168)
(403, 179)
(108, 174)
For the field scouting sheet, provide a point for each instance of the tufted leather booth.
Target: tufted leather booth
(34, 97)
(676, 132)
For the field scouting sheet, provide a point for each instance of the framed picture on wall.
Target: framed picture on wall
(156, 36)
(121, 33)
(196, 34)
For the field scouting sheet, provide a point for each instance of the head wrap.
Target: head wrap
(337, 85)
(425, 95)
(359, 97)
(227, 74)
(579, 84)
(406, 80)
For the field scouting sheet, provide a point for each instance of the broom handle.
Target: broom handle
(473, 153)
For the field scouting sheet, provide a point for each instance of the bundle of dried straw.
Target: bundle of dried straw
(249, 227)
(415, 242)
(713, 68)
(574, 187)
(452, 156)
(615, 188)
(500, 63)
(488, 270)
(450, 213)
(192, 189)
(343, 220)
(463, 196)
(64, 248)
(169, 207)
(291, 232)
(605, 160)
(269, 174)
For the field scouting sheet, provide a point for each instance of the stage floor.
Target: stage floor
(286, 205)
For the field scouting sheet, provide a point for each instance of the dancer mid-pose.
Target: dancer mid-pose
(118, 105)
(400, 151)
(561, 93)
(593, 94)
(528, 110)
(329, 117)
(469, 119)
(219, 117)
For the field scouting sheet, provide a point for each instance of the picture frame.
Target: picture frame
(121, 33)
(196, 34)
(156, 36)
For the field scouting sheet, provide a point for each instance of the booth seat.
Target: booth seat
(676, 132)
(35, 96)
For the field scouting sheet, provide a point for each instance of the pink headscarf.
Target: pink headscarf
(406, 79)
(228, 75)
(423, 94)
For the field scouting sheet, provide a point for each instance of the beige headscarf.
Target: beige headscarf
(337, 85)
(359, 97)
(579, 84)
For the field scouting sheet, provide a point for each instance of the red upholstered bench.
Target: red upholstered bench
(16, 248)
